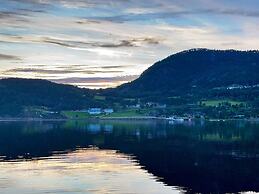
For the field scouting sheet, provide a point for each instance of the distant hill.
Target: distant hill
(16, 94)
(196, 71)
(185, 78)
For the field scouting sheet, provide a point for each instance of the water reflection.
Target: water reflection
(81, 171)
(210, 157)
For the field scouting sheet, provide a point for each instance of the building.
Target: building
(94, 111)
(108, 110)
(134, 106)
(155, 105)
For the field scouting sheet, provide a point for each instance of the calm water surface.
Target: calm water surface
(129, 157)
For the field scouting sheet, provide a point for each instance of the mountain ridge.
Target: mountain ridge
(186, 77)
(213, 68)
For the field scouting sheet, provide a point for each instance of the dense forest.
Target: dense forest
(17, 94)
(196, 71)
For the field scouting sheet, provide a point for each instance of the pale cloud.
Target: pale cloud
(9, 57)
(97, 82)
(58, 71)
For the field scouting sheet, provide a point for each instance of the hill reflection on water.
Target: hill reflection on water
(210, 157)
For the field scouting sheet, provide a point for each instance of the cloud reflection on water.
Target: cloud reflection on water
(82, 171)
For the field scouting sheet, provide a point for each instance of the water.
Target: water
(129, 157)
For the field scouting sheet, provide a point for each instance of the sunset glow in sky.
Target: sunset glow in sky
(103, 43)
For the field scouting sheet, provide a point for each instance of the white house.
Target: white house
(94, 111)
(108, 110)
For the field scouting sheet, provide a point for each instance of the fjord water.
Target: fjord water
(129, 157)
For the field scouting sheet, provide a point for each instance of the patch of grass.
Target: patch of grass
(126, 113)
(75, 115)
(99, 97)
(219, 138)
(129, 99)
(174, 97)
(217, 102)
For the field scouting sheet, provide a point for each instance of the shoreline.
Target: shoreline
(118, 118)
(28, 119)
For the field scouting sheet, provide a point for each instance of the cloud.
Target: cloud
(132, 10)
(97, 79)
(13, 19)
(19, 12)
(83, 44)
(165, 14)
(236, 12)
(96, 82)
(58, 71)
(12, 14)
(10, 19)
(87, 21)
(9, 57)
(74, 3)
(131, 42)
(115, 66)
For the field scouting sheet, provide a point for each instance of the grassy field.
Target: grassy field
(217, 102)
(126, 113)
(129, 99)
(99, 97)
(121, 113)
(76, 115)
(174, 97)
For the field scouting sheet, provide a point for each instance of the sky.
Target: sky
(104, 43)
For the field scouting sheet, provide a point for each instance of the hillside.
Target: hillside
(187, 82)
(18, 94)
(196, 71)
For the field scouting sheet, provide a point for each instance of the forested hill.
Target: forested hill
(187, 77)
(196, 70)
(17, 94)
